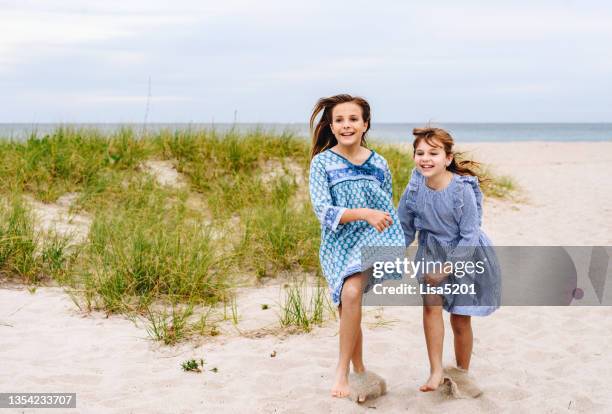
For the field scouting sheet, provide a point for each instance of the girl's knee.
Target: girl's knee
(351, 294)
(432, 310)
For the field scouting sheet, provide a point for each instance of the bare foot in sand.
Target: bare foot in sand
(434, 381)
(341, 385)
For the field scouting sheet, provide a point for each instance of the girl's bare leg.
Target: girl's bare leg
(433, 325)
(357, 357)
(464, 339)
(350, 332)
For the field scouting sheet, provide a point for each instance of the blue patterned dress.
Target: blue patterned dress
(336, 184)
(448, 222)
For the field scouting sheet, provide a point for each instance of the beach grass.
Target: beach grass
(30, 255)
(18, 241)
(245, 210)
(147, 246)
(304, 305)
(169, 327)
(502, 186)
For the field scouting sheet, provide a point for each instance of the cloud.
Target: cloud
(24, 35)
(272, 59)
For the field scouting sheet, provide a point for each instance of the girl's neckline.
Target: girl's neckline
(349, 161)
(450, 183)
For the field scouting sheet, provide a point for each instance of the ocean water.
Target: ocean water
(382, 132)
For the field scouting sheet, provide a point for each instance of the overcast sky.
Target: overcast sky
(468, 61)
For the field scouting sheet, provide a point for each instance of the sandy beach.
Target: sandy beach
(525, 359)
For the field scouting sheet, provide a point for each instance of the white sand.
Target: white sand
(525, 359)
(164, 173)
(567, 188)
(59, 219)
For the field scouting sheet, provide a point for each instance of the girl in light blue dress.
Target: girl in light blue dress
(351, 193)
(443, 203)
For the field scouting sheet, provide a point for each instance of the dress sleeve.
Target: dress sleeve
(406, 218)
(388, 183)
(469, 225)
(407, 205)
(328, 214)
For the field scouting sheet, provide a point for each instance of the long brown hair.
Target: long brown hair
(436, 137)
(322, 135)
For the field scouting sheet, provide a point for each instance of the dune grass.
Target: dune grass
(147, 246)
(305, 306)
(499, 186)
(18, 241)
(27, 254)
(245, 210)
(169, 327)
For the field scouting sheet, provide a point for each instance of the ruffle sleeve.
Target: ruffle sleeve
(320, 196)
(467, 201)
(406, 211)
(459, 196)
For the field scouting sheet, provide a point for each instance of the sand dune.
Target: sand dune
(525, 359)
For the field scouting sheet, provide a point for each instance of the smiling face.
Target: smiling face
(431, 160)
(347, 124)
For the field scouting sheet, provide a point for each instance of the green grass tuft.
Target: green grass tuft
(304, 307)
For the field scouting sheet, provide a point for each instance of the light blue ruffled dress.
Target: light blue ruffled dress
(448, 225)
(336, 184)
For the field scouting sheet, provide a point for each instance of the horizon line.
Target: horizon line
(285, 123)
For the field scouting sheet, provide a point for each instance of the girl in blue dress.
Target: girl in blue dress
(443, 202)
(351, 193)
